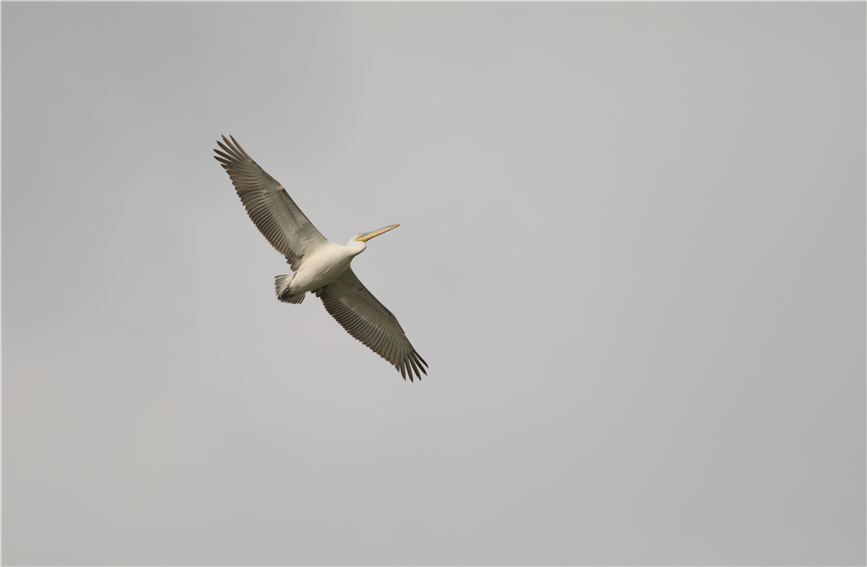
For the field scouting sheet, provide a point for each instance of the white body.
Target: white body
(322, 267)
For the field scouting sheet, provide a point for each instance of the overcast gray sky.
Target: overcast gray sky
(632, 251)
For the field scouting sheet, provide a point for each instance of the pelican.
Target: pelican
(318, 265)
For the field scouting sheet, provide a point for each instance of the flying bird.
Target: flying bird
(318, 265)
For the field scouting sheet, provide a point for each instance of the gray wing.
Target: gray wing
(366, 319)
(269, 205)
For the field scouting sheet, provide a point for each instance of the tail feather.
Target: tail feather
(281, 285)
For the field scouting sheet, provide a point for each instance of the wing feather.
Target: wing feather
(368, 320)
(270, 207)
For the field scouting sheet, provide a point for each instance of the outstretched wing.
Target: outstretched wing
(269, 205)
(366, 319)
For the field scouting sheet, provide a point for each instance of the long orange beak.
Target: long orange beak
(368, 235)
